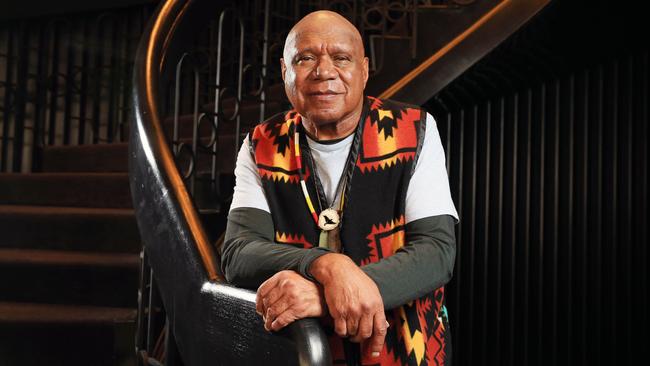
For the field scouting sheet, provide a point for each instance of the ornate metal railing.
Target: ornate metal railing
(65, 81)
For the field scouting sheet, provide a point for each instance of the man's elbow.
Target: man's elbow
(227, 254)
(235, 277)
(450, 261)
(233, 267)
(446, 260)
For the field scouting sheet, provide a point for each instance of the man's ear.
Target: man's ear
(365, 71)
(283, 67)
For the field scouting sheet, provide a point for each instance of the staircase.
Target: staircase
(69, 259)
(69, 242)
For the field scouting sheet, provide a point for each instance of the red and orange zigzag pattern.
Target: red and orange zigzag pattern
(381, 236)
(292, 239)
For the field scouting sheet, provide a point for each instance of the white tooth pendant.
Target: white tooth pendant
(328, 219)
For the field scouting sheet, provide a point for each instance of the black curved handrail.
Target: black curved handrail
(212, 322)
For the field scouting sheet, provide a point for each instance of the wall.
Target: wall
(546, 141)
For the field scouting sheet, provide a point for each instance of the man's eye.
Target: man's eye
(303, 59)
(341, 58)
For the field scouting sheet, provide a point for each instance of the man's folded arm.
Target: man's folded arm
(422, 265)
(249, 255)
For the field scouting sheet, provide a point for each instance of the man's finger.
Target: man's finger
(352, 326)
(283, 320)
(340, 327)
(274, 310)
(271, 298)
(378, 334)
(262, 291)
(365, 329)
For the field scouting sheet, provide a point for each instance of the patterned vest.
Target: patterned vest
(373, 225)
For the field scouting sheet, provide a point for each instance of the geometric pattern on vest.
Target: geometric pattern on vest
(372, 226)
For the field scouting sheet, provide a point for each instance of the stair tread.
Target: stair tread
(91, 189)
(62, 175)
(15, 312)
(69, 228)
(67, 258)
(61, 210)
(114, 145)
(86, 158)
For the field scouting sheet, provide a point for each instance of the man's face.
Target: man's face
(324, 71)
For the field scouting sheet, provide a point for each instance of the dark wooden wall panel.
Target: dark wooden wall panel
(550, 181)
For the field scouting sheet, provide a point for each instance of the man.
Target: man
(342, 208)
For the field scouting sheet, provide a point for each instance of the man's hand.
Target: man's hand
(287, 297)
(353, 300)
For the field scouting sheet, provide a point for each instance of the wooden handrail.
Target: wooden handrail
(461, 52)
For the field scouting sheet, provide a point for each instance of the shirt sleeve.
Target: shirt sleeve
(428, 192)
(248, 190)
(423, 264)
(249, 256)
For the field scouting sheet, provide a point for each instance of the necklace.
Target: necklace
(329, 219)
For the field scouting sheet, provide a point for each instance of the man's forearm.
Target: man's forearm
(424, 264)
(250, 256)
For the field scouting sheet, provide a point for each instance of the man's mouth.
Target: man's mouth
(324, 93)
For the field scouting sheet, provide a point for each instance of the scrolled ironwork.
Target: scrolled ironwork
(213, 131)
(255, 92)
(265, 57)
(346, 8)
(222, 96)
(463, 2)
(187, 59)
(181, 149)
(372, 2)
(374, 18)
(396, 8)
(218, 96)
(65, 81)
(443, 4)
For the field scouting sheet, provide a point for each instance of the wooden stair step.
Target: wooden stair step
(66, 344)
(31, 313)
(66, 189)
(86, 158)
(64, 281)
(69, 228)
(64, 277)
(40, 257)
(112, 158)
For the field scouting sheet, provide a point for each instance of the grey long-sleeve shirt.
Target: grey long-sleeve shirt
(249, 256)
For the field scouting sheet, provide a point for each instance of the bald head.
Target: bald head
(322, 22)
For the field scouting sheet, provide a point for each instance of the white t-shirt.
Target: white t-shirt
(427, 195)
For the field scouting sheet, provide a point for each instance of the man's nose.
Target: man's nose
(325, 69)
